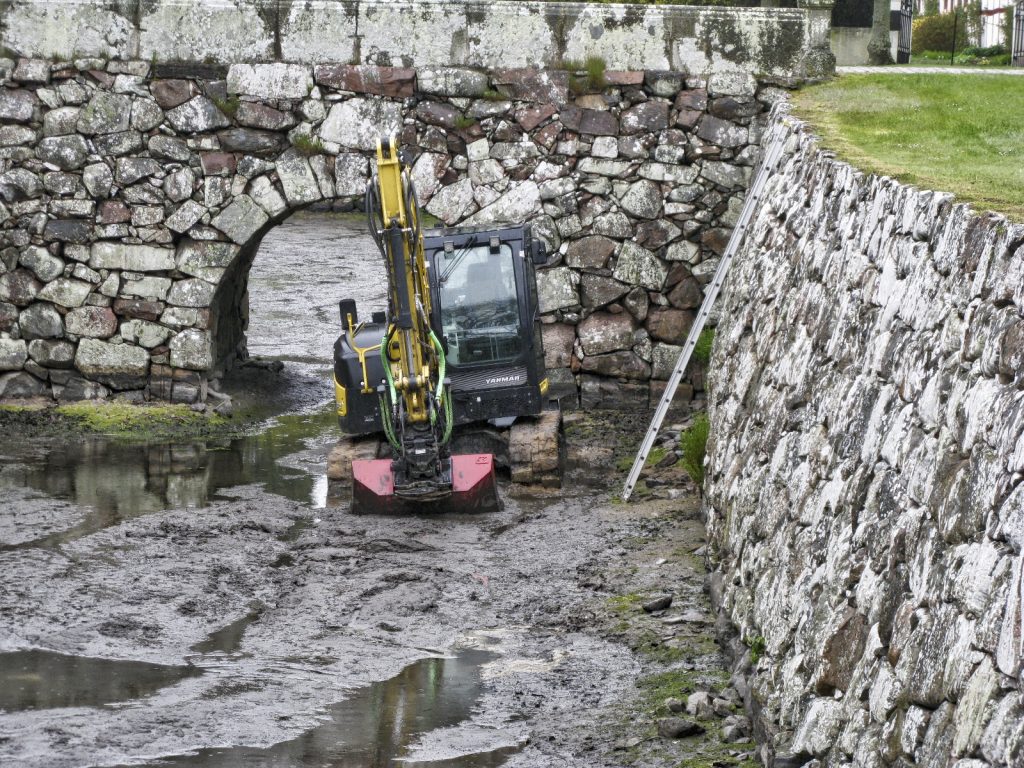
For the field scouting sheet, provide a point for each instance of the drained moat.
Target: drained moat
(204, 602)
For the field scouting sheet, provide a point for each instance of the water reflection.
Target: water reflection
(117, 481)
(375, 726)
(44, 679)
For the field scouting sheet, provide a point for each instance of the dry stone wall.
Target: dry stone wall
(866, 509)
(133, 199)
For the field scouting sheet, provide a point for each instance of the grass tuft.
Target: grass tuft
(702, 350)
(228, 106)
(308, 145)
(693, 443)
(954, 133)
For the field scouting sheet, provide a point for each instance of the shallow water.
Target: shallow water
(375, 726)
(38, 679)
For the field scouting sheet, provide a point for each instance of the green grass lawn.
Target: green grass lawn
(954, 133)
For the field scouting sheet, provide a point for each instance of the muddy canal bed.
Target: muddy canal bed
(208, 603)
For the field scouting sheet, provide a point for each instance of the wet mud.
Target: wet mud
(262, 624)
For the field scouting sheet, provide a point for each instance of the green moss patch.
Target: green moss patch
(138, 421)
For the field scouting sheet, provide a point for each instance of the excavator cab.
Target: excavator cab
(485, 313)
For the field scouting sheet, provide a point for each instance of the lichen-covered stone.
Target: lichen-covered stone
(241, 220)
(105, 113)
(270, 81)
(121, 366)
(638, 266)
(603, 332)
(41, 321)
(197, 115)
(192, 349)
(358, 123)
(13, 354)
(91, 322)
(136, 258)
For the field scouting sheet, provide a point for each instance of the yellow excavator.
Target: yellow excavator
(459, 342)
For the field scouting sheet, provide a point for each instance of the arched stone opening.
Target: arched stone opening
(232, 307)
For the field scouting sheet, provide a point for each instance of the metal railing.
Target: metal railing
(906, 31)
(1017, 49)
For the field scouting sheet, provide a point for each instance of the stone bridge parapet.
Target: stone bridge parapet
(417, 33)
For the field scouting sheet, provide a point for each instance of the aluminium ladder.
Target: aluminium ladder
(773, 151)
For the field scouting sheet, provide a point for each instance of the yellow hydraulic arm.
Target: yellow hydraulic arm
(410, 355)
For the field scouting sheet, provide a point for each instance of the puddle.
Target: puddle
(118, 481)
(376, 725)
(44, 680)
(228, 639)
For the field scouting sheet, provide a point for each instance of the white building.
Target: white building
(991, 18)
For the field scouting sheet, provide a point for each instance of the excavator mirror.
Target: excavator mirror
(378, 317)
(540, 253)
(347, 310)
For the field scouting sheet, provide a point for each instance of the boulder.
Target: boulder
(544, 86)
(17, 106)
(19, 184)
(146, 310)
(451, 81)
(146, 115)
(98, 179)
(590, 252)
(65, 152)
(144, 333)
(198, 115)
(558, 339)
(669, 325)
(21, 385)
(191, 293)
(663, 360)
(721, 132)
(171, 93)
(351, 171)
(599, 392)
(593, 122)
(687, 294)
(179, 185)
(148, 287)
(206, 259)
(358, 123)
(8, 316)
(519, 204)
(255, 115)
(13, 354)
(241, 220)
(67, 231)
(129, 170)
(119, 366)
(91, 322)
(105, 113)
(603, 332)
(52, 354)
(556, 289)
(451, 203)
(664, 83)
(646, 117)
(638, 266)
(41, 321)
(643, 199)
(192, 349)
(297, 179)
(623, 364)
(597, 291)
(251, 141)
(44, 265)
(65, 292)
(135, 258)
(185, 216)
(397, 82)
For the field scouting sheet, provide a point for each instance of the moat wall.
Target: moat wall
(866, 510)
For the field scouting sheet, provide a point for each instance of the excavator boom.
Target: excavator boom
(415, 397)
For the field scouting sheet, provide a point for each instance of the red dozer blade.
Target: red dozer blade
(474, 488)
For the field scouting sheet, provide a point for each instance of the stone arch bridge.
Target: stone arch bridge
(134, 194)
